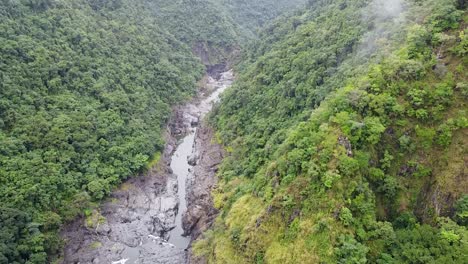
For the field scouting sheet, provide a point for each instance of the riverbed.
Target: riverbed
(154, 217)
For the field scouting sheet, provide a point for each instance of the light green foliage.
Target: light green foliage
(426, 136)
(346, 216)
(329, 178)
(462, 48)
(98, 188)
(444, 133)
(376, 174)
(374, 129)
(348, 147)
(387, 160)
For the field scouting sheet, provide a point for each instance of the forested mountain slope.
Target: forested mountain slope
(250, 16)
(347, 134)
(215, 28)
(204, 25)
(86, 88)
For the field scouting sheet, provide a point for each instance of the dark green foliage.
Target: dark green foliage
(20, 239)
(213, 28)
(350, 251)
(338, 119)
(196, 21)
(288, 79)
(85, 105)
(426, 244)
(220, 23)
(252, 15)
(85, 90)
(461, 211)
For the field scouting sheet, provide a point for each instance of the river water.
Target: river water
(185, 151)
(181, 168)
(142, 220)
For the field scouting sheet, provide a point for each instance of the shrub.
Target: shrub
(461, 211)
(346, 216)
(374, 129)
(389, 187)
(444, 133)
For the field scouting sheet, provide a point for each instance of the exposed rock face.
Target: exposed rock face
(344, 141)
(201, 213)
(213, 57)
(207, 156)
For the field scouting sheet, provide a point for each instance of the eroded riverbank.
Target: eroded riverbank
(141, 222)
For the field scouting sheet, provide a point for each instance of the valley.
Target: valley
(141, 222)
(222, 131)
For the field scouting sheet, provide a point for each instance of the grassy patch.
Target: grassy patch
(95, 245)
(94, 218)
(153, 162)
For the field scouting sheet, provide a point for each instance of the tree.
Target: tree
(349, 251)
(374, 129)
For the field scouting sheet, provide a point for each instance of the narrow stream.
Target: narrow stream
(180, 163)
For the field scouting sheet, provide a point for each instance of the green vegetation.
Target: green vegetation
(347, 135)
(86, 88)
(214, 29)
(204, 25)
(346, 129)
(253, 15)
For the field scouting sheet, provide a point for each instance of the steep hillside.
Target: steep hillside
(253, 15)
(347, 137)
(204, 25)
(216, 28)
(85, 90)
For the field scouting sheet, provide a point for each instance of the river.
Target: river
(149, 219)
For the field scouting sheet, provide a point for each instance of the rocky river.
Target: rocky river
(154, 217)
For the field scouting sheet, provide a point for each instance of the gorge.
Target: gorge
(233, 131)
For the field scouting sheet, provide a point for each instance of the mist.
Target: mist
(387, 9)
(385, 18)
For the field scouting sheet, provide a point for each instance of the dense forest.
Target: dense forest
(215, 28)
(86, 88)
(347, 131)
